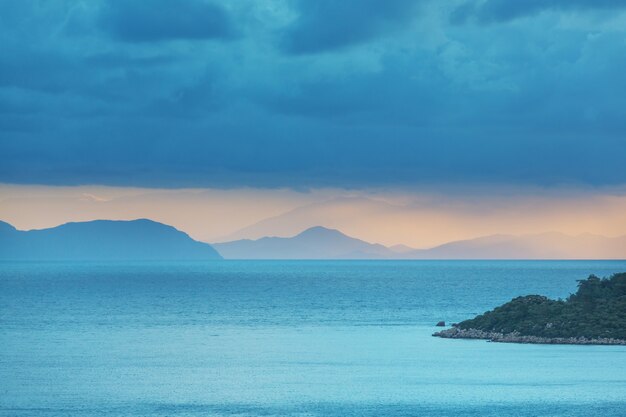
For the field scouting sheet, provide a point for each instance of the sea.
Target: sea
(290, 338)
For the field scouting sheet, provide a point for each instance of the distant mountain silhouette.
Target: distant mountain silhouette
(148, 240)
(314, 243)
(552, 245)
(332, 212)
(402, 249)
(322, 243)
(102, 240)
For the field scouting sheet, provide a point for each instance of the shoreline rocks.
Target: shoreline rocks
(515, 337)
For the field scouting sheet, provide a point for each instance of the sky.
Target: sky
(419, 219)
(262, 107)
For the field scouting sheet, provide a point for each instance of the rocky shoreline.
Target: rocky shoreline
(457, 333)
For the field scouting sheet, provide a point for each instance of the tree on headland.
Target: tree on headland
(596, 310)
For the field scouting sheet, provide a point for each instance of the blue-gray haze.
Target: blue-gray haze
(312, 93)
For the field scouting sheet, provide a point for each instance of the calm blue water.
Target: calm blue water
(239, 338)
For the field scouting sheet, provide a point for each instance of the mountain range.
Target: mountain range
(102, 240)
(322, 243)
(149, 240)
(551, 245)
(313, 243)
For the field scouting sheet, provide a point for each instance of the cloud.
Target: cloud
(423, 103)
(162, 20)
(328, 25)
(489, 11)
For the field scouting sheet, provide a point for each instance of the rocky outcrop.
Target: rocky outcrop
(515, 337)
(594, 315)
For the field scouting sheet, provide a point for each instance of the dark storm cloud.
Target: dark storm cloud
(487, 11)
(404, 98)
(326, 25)
(159, 20)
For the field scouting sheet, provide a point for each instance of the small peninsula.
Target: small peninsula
(594, 315)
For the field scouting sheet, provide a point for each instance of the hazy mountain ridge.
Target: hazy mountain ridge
(148, 240)
(103, 240)
(331, 213)
(550, 245)
(323, 243)
(313, 243)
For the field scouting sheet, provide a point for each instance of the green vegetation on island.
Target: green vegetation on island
(596, 313)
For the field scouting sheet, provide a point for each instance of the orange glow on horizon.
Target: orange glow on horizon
(416, 219)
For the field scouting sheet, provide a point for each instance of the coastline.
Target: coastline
(515, 337)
